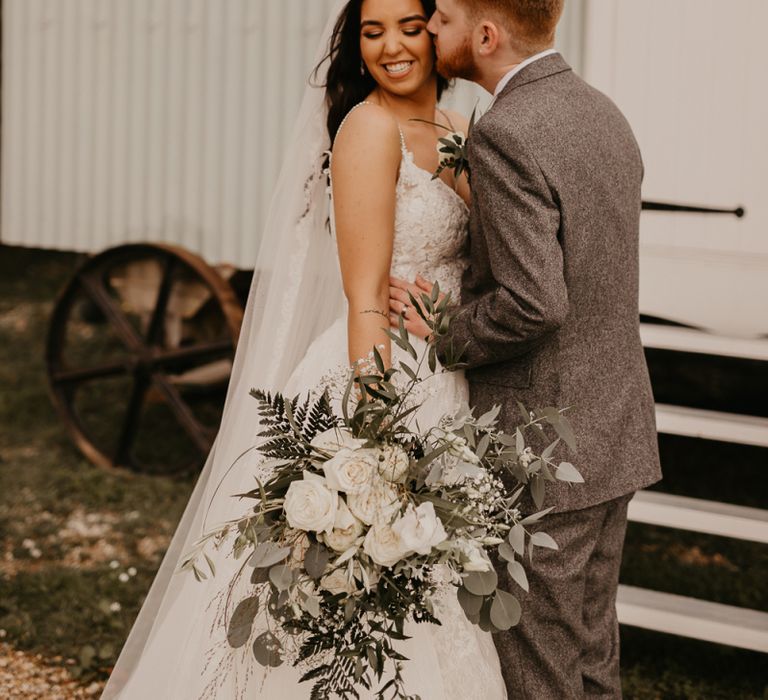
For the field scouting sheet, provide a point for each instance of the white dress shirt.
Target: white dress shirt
(511, 74)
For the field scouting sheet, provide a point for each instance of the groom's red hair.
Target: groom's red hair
(532, 23)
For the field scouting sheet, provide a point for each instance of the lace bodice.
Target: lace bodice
(430, 226)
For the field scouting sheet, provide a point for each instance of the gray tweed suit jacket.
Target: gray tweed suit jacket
(549, 305)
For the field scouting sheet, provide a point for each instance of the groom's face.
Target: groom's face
(452, 32)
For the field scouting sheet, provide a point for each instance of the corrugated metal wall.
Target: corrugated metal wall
(149, 119)
(158, 120)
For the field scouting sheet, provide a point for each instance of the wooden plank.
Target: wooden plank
(662, 337)
(712, 425)
(696, 619)
(698, 515)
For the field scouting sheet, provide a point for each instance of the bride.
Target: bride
(319, 303)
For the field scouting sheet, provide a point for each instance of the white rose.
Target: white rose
(473, 556)
(310, 504)
(334, 439)
(346, 529)
(383, 545)
(337, 582)
(351, 471)
(393, 462)
(420, 529)
(376, 504)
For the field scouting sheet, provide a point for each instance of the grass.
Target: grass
(64, 521)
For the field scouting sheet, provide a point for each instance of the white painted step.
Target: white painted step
(712, 425)
(689, 340)
(697, 515)
(689, 617)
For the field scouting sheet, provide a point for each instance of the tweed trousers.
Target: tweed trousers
(566, 645)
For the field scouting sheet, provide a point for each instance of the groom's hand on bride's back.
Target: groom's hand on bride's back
(400, 304)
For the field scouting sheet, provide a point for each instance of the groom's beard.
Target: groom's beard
(459, 64)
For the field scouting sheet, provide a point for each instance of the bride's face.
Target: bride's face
(395, 45)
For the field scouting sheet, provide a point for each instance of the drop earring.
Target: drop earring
(362, 67)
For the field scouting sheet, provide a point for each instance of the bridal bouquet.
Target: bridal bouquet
(367, 519)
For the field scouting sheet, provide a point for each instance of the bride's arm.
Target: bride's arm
(364, 169)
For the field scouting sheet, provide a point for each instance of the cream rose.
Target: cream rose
(393, 462)
(383, 545)
(310, 505)
(420, 529)
(334, 439)
(346, 529)
(337, 582)
(376, 504)
(473, 556)
(351, 471)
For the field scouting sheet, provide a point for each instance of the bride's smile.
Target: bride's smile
(395, 46)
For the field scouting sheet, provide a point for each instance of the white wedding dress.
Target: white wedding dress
(187, 656)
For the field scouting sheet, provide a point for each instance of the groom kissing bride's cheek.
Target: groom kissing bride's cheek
(385, 541)
(548, 315)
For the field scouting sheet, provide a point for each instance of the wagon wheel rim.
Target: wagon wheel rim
(147, 362)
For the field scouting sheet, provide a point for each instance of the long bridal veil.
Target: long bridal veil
(296, 294)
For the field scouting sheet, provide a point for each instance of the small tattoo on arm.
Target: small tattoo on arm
(375, 311)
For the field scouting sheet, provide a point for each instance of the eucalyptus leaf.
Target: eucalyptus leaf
(505, 610)
(517, 572)
(266, 650)
(469, 602)
(567, 472)
(537, 491)
(281, 577)
(517, 538)
(536, 516)
(481, 582)
(268, 553)
(519, 441)
(315, 560)
(550, 449)
(241, 622)
(506, 551)
(542, 539)
(565, 431)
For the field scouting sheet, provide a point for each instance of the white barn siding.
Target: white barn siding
(160, 120)
(690, 76)
(154, 120)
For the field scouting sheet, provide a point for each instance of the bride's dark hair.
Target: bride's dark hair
(345, 86)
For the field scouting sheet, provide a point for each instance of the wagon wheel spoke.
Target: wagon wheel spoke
(156, 326)
(193, 354)
(84, 374)
(200, 435)
(94, 287)
(131, 420)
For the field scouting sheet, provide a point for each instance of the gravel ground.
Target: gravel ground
(28, 677)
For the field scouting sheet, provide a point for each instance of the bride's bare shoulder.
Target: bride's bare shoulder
(369, 131)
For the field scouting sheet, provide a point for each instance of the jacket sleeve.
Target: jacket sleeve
(520, 221)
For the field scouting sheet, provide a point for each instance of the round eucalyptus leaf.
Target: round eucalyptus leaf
(505, 610)
(266, 650)
(469, 602)
(315, 560)
(241, 622)
(281, 577)
(481, 582)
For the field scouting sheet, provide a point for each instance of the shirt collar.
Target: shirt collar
(511, 74)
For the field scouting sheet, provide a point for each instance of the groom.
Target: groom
(549, 314)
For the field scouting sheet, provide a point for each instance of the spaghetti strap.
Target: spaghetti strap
(403, 146)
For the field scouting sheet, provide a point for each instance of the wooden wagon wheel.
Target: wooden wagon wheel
(130, 337)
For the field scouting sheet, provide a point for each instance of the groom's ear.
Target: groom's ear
(489, 37)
